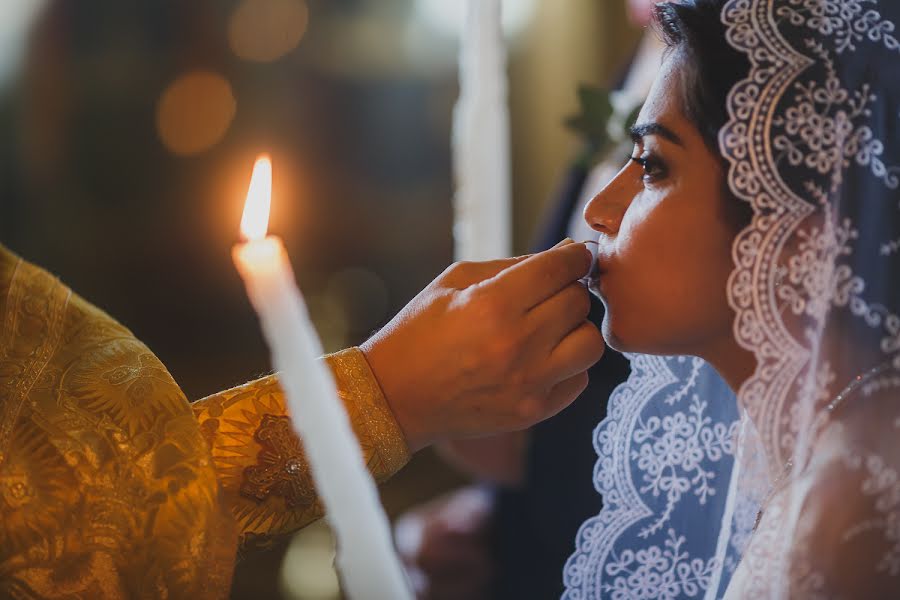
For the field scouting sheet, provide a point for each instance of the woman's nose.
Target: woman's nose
(605, 210)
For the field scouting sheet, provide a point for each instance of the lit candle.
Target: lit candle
(366, 558)
(481, 227)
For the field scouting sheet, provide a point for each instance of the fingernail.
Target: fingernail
(565, 242)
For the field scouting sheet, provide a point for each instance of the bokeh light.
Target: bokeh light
(16, 17)
(363, 296)
(266, 30)
(194, 112)
(330, 320)
(307, 572)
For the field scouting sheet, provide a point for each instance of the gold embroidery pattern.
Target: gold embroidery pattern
(112, 485)
(282, 468)
(107, 489)
(381, 439)
(35, 483)
(259, 458)
(31, 330)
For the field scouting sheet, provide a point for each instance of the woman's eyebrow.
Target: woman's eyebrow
(639, 132)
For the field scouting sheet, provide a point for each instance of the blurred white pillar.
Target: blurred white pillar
(482, 227)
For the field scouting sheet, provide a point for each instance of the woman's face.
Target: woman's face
(665, 243)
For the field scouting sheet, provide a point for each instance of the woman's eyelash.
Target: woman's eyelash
(653, 167)
(639, 160)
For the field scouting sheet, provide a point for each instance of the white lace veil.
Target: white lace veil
(813, 145)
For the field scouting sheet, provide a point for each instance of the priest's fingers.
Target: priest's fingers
(577, 352)
(539, 277)
(556, 317)
(564, 393)
(463, 274)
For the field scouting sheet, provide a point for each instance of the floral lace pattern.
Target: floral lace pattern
(882, 482)
(666, 572)
(666, 449)
(823, 130)
(811, 146)
(806, 143)
(673, 452)
(849, 22)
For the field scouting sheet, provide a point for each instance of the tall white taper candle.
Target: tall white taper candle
(482, 228)
(366, 558)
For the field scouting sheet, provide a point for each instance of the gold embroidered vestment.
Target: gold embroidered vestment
(112, 485)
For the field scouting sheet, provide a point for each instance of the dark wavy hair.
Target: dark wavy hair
(710, 68)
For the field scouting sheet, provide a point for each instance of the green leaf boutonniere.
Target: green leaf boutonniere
(603, 121)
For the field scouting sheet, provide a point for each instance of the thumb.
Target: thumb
(466, 274)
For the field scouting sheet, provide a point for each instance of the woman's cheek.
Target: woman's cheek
(639, 212)
(630, 242)
(632, 307)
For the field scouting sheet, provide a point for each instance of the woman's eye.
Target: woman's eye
(654, 169)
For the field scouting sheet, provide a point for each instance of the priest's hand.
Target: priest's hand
(489, 347)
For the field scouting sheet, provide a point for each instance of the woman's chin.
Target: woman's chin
(611, 337)
(621, 340)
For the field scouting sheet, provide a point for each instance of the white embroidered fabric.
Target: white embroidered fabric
(800, 497)
(666, 450)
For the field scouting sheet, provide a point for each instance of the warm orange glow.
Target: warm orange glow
(266, 30)
(195, 112)
(255, 221)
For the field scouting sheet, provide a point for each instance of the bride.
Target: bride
(756, 226)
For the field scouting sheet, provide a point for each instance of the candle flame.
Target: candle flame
(255, 221)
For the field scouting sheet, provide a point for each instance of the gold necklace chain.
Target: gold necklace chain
(855, 383)
(851, 387)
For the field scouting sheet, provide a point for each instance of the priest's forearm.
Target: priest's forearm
(261, 466)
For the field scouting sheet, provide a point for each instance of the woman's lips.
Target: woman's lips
(593, 285)
(592, 274)
(594, 279)
(599, 273)
(598, 267)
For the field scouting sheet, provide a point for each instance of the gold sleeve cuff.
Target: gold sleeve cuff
(260, 462)
(379, 434)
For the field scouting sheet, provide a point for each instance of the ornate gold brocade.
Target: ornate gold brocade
(262, 469)
(111, 486)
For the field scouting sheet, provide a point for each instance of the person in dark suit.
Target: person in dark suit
(509, 535)
(535, 524)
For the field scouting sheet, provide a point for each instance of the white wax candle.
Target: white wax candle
(366, 558)
(481, 228)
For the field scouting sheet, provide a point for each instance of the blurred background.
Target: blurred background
(128, 129)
